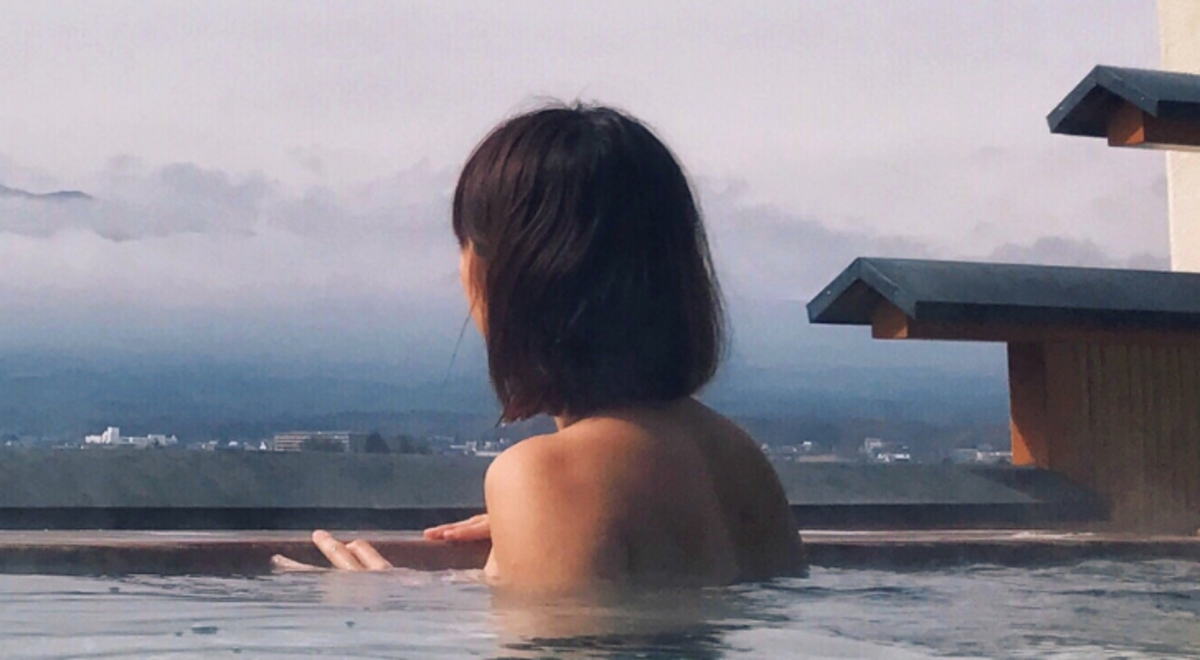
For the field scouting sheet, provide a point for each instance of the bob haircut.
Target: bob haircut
(596, 279)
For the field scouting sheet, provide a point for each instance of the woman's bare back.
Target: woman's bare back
(668, 494)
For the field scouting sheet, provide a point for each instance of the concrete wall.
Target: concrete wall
(1179, 25)
(180, 489)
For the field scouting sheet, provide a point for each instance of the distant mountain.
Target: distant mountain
(60, 397)
(57, 196)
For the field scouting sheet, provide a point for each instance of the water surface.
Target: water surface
(1090, 610)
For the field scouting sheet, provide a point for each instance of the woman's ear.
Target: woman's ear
(469, 273)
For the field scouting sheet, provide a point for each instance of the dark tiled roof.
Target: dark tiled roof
(1162, 94)
(951, 291)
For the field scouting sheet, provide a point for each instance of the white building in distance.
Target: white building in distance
(112, 438)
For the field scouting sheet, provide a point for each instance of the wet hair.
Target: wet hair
(596, 279)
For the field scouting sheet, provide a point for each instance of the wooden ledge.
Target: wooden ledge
(220, 553)
(249, 553)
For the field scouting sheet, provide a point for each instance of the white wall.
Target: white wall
(1179, 26)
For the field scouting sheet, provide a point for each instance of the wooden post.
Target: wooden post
(1121, 419)
(1028, 404)
(1116, 412)
(1131, 127)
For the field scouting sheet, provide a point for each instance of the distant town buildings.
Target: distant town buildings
(872, 450)
(328, 441)
(803, 452)
(486, 448)
(875, 450)
(231, 445)
(111, 437)
(980, 456)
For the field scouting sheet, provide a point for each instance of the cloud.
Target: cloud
(966, 199)
(1061, 251)
(766, 253)
(131, 205)
(184, 236)
(185, 256)
(181, 258)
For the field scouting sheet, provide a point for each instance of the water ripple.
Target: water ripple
(1094, 610)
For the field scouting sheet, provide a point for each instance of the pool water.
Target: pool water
(1090, 610)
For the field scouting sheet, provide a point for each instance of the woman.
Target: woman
(587, 270)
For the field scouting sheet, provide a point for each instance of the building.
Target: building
(875, 450)
(329, 441)
(112, 438)
(1103, 365)
(979, 456)
(153, 440)
(1178, 23)
(484, 448)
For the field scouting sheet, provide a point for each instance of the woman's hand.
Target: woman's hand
(356, 555)
(475, 528)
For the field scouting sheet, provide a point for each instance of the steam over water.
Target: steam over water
(1090, 610)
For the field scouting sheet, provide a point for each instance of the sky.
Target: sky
(273, 177)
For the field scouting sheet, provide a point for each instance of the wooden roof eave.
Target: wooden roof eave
(958, 301)
(890, 322)
(1132, 108)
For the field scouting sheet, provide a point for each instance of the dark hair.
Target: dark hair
(598, 286)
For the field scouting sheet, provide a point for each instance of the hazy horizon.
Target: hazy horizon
(271, 180)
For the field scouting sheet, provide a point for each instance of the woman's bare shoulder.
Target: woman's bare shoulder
(530, 458)
(593, 465)
(544, 461)
(721, 428)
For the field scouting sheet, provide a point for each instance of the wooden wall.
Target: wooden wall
(1121, 419)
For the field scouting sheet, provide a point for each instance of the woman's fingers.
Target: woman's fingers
(356, 555)
(469, 522)
(368, 556)
(437, 530)
(336, 551)
(475, 528)
(479, 530)
(281, 563)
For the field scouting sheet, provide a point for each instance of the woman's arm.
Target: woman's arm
(552, 527)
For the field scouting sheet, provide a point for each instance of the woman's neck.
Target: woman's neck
(563, 421)
(566, 419)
